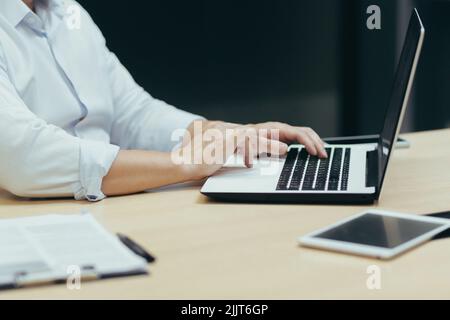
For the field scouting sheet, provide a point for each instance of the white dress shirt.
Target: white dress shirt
(67, 105)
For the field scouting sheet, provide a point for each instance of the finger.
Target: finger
(316, 137)
(229, 145)
(319, 144)
(249, 153)
(297, 135)
(244, 148)
(303, 138)
(251, 137)
(271, 147)
(272, 143)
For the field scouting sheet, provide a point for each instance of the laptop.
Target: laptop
(352, 173)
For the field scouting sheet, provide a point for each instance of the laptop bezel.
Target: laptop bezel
(382, 173)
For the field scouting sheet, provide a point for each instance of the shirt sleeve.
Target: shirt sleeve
(38, 159)
(141, 121)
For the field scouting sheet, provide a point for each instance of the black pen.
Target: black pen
(133, 246)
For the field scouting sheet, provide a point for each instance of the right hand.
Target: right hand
(206, 151)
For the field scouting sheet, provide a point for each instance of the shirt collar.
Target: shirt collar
(13, 10)
(16, 10)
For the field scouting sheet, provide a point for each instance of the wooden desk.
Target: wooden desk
(216, 250)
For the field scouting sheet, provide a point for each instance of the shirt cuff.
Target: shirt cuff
(96, 159)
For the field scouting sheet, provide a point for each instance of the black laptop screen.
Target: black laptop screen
(411, 47)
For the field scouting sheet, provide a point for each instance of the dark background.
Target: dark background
(305, 62)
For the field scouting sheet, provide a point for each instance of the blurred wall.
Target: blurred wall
(432, 95)
(305, 62)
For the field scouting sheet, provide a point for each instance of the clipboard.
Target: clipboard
(89, 273)
(55, 249)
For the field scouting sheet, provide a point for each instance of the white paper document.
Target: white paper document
(53, 247)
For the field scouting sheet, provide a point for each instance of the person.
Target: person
(75, 124)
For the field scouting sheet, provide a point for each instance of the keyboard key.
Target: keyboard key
(322, 173)
(297, 175)
(333, 182)
(345, 169)
(310, 173)
(287, 169)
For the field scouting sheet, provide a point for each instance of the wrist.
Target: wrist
(191, 172)
(184, 171)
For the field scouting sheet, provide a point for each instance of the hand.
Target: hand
(208, 144)
(302, 135)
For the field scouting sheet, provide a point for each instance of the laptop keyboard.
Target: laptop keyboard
(302, 171)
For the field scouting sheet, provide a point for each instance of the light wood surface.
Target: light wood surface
(212, 250)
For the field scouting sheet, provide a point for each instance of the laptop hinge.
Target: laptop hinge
(372, 169)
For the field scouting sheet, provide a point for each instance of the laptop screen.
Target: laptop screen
(401, 90)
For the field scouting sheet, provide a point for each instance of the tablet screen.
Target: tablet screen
(379, 230)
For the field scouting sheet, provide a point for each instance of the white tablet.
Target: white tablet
(376, 233)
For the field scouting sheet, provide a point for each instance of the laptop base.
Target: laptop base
(298, 198)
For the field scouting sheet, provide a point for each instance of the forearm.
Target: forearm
(136, 170)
